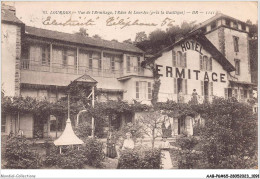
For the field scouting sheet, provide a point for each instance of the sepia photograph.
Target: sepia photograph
(129, 85)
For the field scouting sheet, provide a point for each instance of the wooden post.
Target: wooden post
(93, 101)
(77, 60)
(50, 57)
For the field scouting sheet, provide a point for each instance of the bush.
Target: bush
(187, 156)
(230, 134)
(138, 159)
(71, 158)
(93, 153)
(19, 155)
(83, 130)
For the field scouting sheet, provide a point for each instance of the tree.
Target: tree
(151, 122)
(159, 39)
(140, 37)
(229, 138)
(83, 32)
(96, 36)
(128, 41)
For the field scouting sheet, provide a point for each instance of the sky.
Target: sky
(37, 13)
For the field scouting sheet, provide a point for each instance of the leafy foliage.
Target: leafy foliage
(230, 130)
(19, 155)
(93, 153)
(135, 159)
(187, 157)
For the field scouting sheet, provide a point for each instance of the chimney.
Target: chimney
(9, 8)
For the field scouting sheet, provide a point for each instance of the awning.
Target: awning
(243, 83)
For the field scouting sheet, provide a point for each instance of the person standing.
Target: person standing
(111, 146)
(194, 98)
(128, 142)
(165, 154)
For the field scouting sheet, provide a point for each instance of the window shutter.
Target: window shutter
(201, 63)
(202, 88)
(226, 93)
(149, 90)
(250, 94)
(175, 85)
(173, 58)
(241, 94)
(90, 61)
(43, 57)
(185, 60)
(210, 64)
(137, 90)
(211, 88)
(186, 86)
(235, 93)
(64, 58)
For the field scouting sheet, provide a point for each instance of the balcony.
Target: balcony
(79, 70)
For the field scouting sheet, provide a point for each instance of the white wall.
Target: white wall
(8, 41)
(193, 63)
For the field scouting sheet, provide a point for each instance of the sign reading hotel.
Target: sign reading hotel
(176, 72)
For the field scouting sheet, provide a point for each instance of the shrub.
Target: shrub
(138, 159)
(83, 130)
(19, 155)
(230, 134)
(187, 157)
(93, 152)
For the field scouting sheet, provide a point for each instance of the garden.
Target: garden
(227, 139)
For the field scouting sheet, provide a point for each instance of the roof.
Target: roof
(79, 39)
(243, 83)
(68, 136)
(207, 45)
(9, 16)
(217, 16)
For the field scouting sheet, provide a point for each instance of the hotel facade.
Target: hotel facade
(213, 59)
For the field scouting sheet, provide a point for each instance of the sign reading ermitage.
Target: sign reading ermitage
(129, 85)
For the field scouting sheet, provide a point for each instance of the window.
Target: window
(3, 123)
(235, 93)
(143, 90)
(128, 64)
(139, 64)
(149, 90)
(243, 26)
(228, 22)
(250, 94)
(241, 94)
(113, 63)
(137, 90)
(90, 62)
(237, 66)
(205, 63)
(179, 59)
(46, 56)
(235, 25)
(173, 58)
(245, 93)
(211, 89)
(235, 41)
(42, 94)
(52, 97)
(214, 25)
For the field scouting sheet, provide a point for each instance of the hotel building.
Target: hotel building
(40, 63)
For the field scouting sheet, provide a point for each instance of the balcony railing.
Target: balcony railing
(73, 69)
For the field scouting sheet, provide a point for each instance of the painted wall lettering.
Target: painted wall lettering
(191, 45)
(191, 74)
